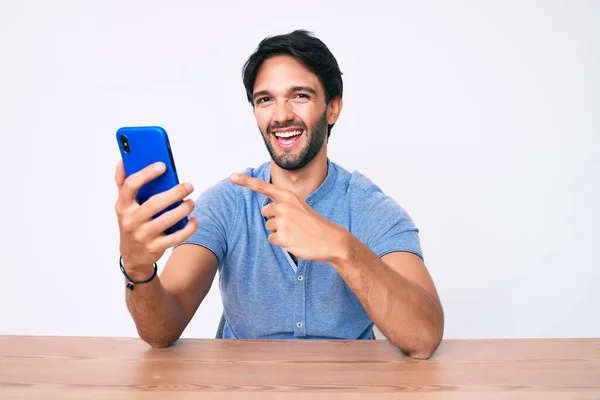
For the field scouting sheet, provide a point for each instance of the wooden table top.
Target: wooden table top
(33, 367)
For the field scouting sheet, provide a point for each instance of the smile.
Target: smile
(287, 139)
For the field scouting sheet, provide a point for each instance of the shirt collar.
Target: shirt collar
(314, 197)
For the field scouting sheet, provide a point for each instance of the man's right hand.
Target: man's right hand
(142, 238)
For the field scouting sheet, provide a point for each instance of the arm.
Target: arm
(397, 292)
(162, 308)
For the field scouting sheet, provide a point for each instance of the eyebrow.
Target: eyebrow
(291, 89)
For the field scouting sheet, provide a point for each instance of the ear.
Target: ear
(334, 108)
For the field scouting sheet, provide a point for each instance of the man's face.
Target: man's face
(289, 105)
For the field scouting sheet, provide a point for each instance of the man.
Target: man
(304, 248)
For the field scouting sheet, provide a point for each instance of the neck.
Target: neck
(305, 180)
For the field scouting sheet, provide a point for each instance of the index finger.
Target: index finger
(259, 186)
(132, 184)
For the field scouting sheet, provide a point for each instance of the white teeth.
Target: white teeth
(288, 134)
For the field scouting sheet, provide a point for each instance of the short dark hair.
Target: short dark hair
(305, 47)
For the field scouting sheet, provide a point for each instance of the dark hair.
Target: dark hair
(305, 47)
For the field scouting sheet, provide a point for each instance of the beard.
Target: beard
(289, 160)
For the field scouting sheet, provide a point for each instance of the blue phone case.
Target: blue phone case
(147, 145)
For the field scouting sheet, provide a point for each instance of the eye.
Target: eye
(301, 96)
(263, 100)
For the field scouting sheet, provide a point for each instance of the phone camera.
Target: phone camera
(125, 143)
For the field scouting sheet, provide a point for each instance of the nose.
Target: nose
(283, 112)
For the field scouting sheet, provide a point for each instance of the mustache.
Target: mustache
(291, 124)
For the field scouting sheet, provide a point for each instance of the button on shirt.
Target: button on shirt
(265, 294)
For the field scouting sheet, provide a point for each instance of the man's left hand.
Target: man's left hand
(295, 226)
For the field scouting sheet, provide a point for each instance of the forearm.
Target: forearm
(406, 314)
(157, 317)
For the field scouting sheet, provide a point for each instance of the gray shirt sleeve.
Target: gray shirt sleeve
(216, 210)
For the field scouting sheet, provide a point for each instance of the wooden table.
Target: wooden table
(113, 368)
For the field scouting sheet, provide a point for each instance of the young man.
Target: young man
(304, 248)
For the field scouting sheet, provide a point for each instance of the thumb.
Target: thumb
(120, 174)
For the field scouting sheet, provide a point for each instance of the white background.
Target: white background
(482, 119)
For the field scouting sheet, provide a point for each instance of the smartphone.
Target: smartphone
(141, 146)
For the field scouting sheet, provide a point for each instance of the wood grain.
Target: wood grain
(124, 368)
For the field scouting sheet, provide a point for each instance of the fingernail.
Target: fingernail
(188, 186)
(159, 166)
(234, 177)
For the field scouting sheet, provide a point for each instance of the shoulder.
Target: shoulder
(381, 222)
(361, 189)
(370, 205)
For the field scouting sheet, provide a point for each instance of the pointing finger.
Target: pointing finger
(260, 186)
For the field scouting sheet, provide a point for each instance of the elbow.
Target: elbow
(421, 349)
(427, 342)
(157, 338)
(423, 353)
(426, 348)
(431, 337)
(158, 342)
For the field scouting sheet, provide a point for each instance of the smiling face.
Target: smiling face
(291, 112)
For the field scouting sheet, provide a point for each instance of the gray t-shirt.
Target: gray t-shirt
(265, 294)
